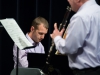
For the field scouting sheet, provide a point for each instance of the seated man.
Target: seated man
(37, 33)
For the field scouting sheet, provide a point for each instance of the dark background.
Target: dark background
(24, 11)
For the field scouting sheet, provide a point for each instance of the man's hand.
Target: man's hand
(56, 32)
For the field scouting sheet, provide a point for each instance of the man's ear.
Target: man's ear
(32, 28)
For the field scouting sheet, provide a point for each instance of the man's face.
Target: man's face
(39, 33)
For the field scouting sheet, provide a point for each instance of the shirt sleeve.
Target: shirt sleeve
(76, 34)
(22, 57)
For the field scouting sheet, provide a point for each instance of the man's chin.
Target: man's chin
(39, 40)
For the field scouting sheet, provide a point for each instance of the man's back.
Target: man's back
(88, 17)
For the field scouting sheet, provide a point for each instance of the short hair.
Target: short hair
(40, 20)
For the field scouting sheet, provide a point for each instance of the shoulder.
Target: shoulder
(40, 44)
(42, 47)
(86, 14)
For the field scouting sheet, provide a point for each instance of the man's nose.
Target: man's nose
(42, 36)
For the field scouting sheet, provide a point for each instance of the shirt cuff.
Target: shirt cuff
(57, 38)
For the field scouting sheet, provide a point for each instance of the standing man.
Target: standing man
(37, 33)
(82, 42)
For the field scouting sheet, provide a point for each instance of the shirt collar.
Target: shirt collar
(87, 4)
(30, 40)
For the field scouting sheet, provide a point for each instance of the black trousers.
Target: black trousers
(88, 71)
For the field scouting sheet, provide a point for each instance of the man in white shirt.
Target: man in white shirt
(82, 43)
(37, 33)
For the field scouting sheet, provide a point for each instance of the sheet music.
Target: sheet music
(15, 33)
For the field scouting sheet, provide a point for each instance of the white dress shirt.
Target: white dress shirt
(23, 53)
(82, 43)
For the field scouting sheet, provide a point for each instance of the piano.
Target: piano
(59, 62)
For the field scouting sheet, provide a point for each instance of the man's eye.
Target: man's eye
(41, 33)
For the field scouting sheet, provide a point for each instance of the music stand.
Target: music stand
(1, 28)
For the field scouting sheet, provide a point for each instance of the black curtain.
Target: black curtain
(24, 11)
